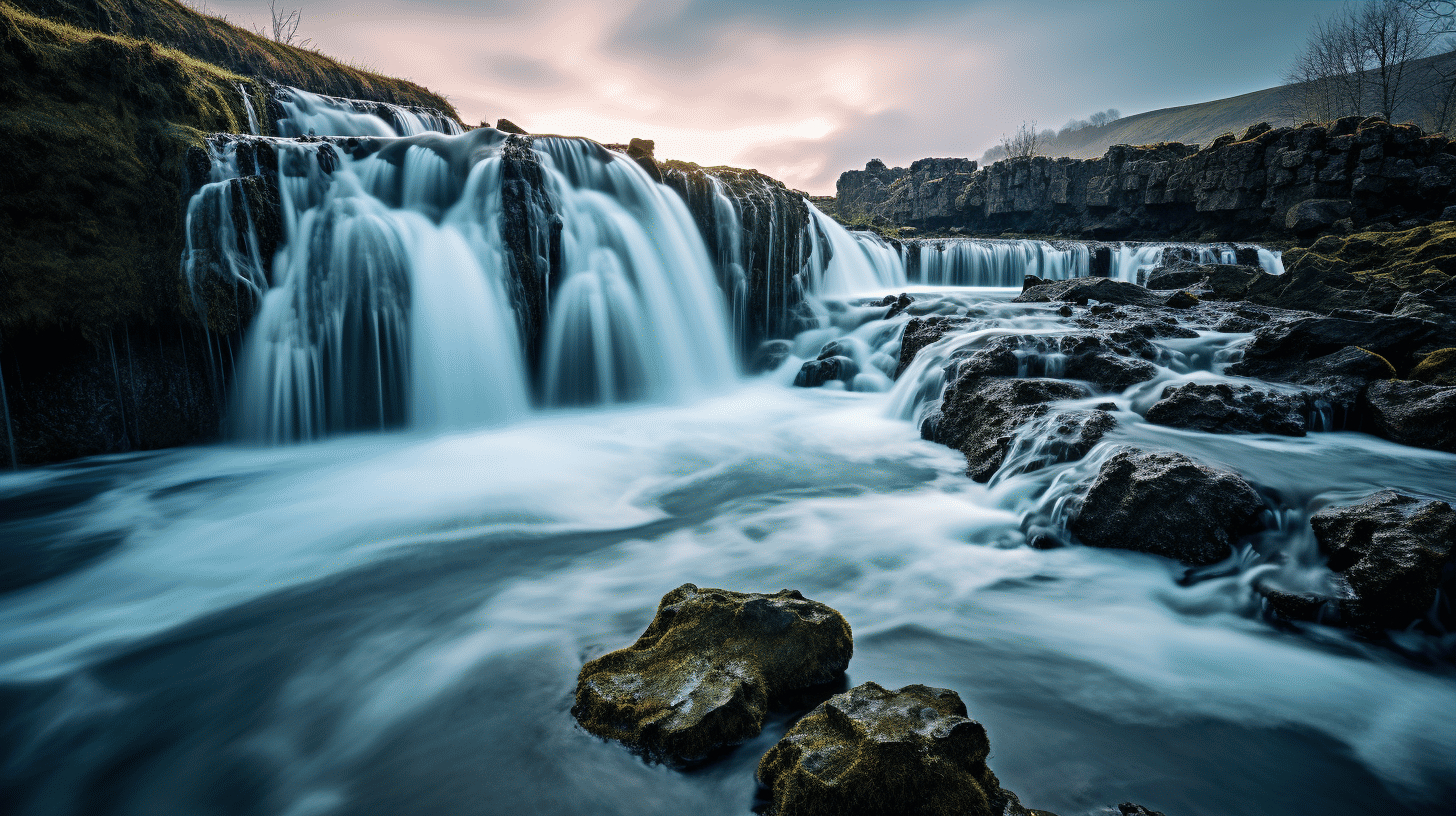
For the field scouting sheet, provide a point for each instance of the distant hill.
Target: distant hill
(1206, 121)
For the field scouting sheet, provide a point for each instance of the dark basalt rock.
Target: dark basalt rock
(1222, 408)
(815, 373)
(921, 332)
(979, 416)
(507, 126)
(1109, 361)
(1181, 300)
(1130, 809)
(875, 752)
(1063, 437)
(703, 674)
(1213, 282)
(1393, 550)
(1081, 290)
(1316, 214)
(1339, 377)
(1394, 338)
(1413, 413)
(1176, 277)
(1167, 504)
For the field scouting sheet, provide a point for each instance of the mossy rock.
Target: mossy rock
(704, 673)
(874, 752)
(1390, 262)
(1437, 368)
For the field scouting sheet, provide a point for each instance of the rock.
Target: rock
(1109, 361)
(705, 671)
(979, 416)
(1062, 437)
(770, 355)
(640, 151)
(1030, 281)
(1412, 413)
(1437, 368)
(1181, 300)
(815, 373)
(1316, 214)
(896, 304)
(1167, 504)
(1081, 290)
(1222, 408)
(507, 126)
(1394, 338)
(1130, 809)
(1339, 377)
(1392, 549)
(921, 332)
(875, 752)
(1182, 277)
(1236, 324)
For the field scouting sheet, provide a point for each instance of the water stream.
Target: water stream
(392, 622)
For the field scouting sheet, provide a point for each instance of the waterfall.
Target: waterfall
(398, 292)
(855, 262)
(964, 262)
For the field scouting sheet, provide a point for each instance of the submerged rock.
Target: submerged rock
(1111, 361)
(1393, 550)
(875, 752)
(1167, 504)
(979, 416)
(1222, 408)
(705, 671)
(1413, 413)
(815, 373)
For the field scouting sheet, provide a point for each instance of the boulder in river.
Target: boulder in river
(1165, 503)
(1437, 368)
(1223, 408)
(1081, 290)
(1306, 338)
(703, 674)
(921, 332)
(1339, 376)
(1413, 413)
(1109, 360)
(1393, 550)
(874, 752)
(979, 416)
(815, 373)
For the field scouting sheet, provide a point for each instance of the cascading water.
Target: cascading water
(965, 262)
(852, 262)
(309, 114)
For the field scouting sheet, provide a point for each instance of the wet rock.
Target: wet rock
(1110, 361)
(875, 752)
(770, 355)
(1339, 377)
(815, 373)
(641, 151)
(1236, 324)
(1081, 290)
(1062, 437)
(1437, 368)
(1213, 282)
(705, 671)
(1222, 408)
(1413, 413)
(896, 304)
(921, 332)
(1130, 809)
(1181, 300)
(1394, 338)
(1179, 277)
(1165, 503)
(1315, 214)
(979, 416)
(1393, 550)
(507, 126)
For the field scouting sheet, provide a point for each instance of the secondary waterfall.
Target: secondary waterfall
(393, 299)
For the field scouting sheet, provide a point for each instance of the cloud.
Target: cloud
(803, 90)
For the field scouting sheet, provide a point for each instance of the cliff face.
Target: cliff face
(1267, 183)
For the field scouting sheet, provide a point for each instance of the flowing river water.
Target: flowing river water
(384, 623)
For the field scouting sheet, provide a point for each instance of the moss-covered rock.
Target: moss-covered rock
(704, 673)
(875, 752)
(1367, 270)
(1437, 368)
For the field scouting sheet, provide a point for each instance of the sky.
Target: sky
(805, 89)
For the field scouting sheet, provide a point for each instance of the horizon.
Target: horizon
(806, 92)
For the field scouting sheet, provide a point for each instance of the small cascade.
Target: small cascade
(248, 106)
(1132, 262)
(310, 114)
(960, 262)
(848, 263)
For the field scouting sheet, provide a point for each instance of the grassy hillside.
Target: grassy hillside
(174, 25)
(1206, 121)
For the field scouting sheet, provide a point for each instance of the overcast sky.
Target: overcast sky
(805, 89)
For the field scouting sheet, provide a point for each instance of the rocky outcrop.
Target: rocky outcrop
(1437, 368)
(921, 332)
(1167, 504)
(704, 673)
(1081, 290)
(1212, 282)
(1366, 271)
(1223, 408)
(1111, 361)
(1394, 552)
(979, 416)
(1266, 182)
(1411, 413)
(875, 752)
(1338, 377)
(758, 235)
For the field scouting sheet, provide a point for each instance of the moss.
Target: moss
(1413, 259)
(172, 24)
(95, 130)
(703, 674)
(1437, 368)
(872, 751)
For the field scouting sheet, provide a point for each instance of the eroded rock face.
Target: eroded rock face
(1222, 408)
(1413, 413)
(1167, 504)
(1081, 290)
(979, 416)
(1110, 361)
(705, 671)
(1392, 550)
(875, 752)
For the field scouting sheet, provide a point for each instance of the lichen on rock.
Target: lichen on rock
(704, 673)
(871, 751)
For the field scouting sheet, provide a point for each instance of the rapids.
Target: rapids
(392, 622)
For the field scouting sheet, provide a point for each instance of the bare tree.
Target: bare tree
(1359, 61)
(283, 26)
(1390, 36)
(1026, 141)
